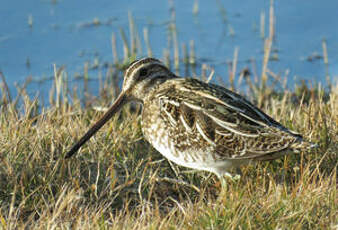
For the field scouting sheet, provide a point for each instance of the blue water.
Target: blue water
(58, 35)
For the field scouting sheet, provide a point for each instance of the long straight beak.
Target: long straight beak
(119, 102)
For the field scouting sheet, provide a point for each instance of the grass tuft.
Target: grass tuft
(119, 181)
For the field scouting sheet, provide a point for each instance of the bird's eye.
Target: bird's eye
(143, 72)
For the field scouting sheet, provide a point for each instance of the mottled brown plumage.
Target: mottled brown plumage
(199, 125)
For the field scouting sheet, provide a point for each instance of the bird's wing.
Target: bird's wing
(224, 120)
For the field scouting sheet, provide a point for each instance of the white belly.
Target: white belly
(191, 158)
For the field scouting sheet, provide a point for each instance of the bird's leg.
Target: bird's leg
(234, 178)
(223, 179)
(223, 192)
(223, 183)
(175, 169)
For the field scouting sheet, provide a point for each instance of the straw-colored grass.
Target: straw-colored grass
(118, 181)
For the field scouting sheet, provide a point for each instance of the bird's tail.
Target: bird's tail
(304, 145)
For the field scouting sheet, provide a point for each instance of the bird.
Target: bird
(198, 125)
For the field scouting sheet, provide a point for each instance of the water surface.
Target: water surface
(63, 33)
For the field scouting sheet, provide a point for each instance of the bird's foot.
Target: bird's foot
(233, 178)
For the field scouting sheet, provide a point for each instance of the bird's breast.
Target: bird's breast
(173, 142)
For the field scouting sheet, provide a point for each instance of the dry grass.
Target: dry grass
(119, 181)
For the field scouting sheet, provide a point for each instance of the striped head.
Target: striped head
(142, 75)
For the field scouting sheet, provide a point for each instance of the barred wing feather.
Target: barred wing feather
(226, 121)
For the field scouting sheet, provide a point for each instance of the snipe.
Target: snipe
(198, 125)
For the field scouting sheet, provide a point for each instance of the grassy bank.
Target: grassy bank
(119, 181)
